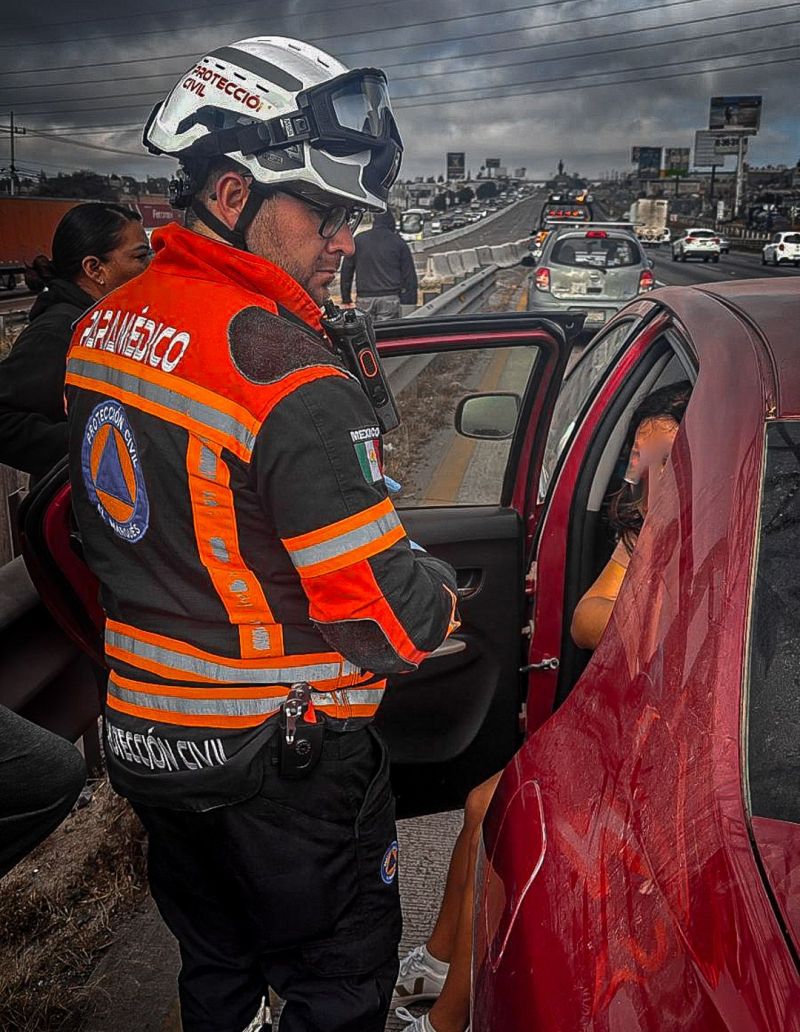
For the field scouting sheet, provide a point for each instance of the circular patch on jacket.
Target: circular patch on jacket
(112, 473)
(389, 863)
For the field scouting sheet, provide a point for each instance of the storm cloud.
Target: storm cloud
(530, 83)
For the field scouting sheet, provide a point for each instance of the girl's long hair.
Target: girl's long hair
(623, 513)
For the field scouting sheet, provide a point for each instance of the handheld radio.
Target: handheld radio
(353, 337)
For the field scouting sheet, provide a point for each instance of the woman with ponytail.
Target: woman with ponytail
(96, 247)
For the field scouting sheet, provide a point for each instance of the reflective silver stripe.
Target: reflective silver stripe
(230, 674)
(353, 696)
(259, 639)
(180, 404)
(346, 542)
(208, 463)
(239, 707)
(219, 550)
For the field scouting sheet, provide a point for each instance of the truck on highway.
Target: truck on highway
(27, 225)
(649, 216)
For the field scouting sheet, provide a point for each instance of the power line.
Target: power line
(612, 50)
(602, 85)
(405, 96)
(328, 36)
(38, 69)
(505, 50)
(92, 146)
(611, 71)
(525, 92)
(215, 4)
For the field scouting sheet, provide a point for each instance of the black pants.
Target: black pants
(41, 776)
(294, 888)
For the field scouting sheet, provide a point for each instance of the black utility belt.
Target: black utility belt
(300, 742)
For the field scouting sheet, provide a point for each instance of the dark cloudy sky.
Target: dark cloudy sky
(528, 82)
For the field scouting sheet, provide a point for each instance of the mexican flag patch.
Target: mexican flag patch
(367, 453)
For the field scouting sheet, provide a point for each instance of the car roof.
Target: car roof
(772, 306)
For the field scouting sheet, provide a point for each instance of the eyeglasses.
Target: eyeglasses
(333, 217)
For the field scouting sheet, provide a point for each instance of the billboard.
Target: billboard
(676, 161)
(735, 113)
(649, 162)
(492, 163)
(705, 151)
(729, 144)
(456, 163)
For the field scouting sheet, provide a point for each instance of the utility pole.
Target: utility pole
(13, 130)
(737, 205)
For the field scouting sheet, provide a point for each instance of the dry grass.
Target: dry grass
(59, 909)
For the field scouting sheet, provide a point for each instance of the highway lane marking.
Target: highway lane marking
(449, 475)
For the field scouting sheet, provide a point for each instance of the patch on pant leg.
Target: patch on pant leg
(389, 863)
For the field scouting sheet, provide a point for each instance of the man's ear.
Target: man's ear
(229, 197)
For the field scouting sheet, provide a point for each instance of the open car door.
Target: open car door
(463, 493)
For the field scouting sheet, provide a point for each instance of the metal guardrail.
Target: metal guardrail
(461, 297)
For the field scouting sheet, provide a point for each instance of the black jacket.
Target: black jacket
(382, 264)
(33, 427)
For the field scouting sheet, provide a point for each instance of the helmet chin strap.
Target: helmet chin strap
(235, 236)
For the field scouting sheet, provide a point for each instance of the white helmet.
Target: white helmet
(290, 114)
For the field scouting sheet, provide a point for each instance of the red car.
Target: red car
(641, 860)
(641, 857)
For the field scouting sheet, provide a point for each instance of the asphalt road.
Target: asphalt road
(737, 265)
(514, 223)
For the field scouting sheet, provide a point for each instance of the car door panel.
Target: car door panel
(455, 720)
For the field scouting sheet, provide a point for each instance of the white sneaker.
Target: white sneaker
(421, 977)
(420, 1024)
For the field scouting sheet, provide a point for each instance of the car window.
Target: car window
(431, 461)
(792, 238)
(578, 386)
(603, 252)
(773, 699)
(702, 233)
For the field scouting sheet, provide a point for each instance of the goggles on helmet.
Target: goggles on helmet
(345, 115)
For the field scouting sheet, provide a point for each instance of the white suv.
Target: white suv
(784, 247)
(696, 243)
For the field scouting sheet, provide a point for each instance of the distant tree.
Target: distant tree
(83, 184)
(440, 179)
(465, 195)
(440, 202)
(486, 190)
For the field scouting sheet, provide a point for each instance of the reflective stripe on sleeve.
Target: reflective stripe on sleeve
(178, 401)
(345, 542)
(217, 539)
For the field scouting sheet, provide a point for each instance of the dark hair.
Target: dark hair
(87, 229)
(668, 402)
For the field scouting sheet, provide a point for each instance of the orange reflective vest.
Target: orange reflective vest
(228, 489)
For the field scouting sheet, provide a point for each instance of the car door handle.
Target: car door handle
(449, 647)
(468, 582)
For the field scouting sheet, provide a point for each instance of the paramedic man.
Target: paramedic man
(227, 484)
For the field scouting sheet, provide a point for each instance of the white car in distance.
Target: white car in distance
(783, 247)
(696, 243)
